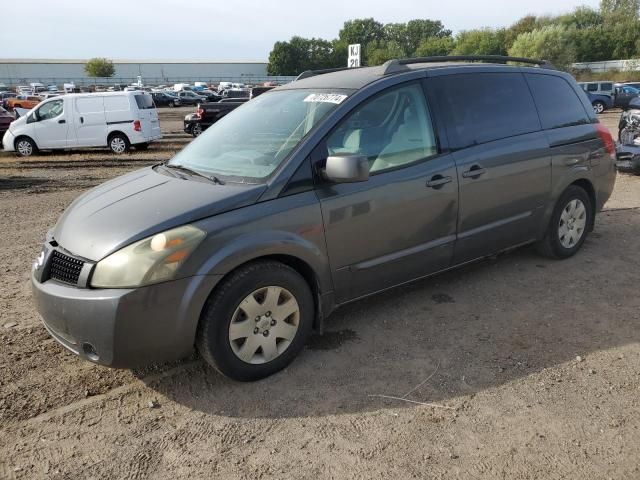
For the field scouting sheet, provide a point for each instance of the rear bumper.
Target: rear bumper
(124, 328)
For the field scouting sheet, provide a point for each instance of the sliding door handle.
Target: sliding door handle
(474, 172)
(437, 181)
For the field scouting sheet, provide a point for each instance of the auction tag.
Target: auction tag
(326, 98)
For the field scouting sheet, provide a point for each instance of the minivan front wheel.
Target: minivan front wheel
(569, 226)
(119, 143)
(25, 147)
(256, 321)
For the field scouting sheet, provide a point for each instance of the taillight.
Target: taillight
(607, 138)
(200, 112)
(137, 126)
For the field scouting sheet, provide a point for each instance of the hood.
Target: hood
(140, 204)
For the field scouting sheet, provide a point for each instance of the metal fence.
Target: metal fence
(84, 81)
(609, 65)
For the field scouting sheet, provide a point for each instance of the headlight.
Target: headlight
(152, 260)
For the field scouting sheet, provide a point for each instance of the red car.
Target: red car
(5, 119)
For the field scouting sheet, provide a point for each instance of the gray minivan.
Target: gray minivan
(320, 192)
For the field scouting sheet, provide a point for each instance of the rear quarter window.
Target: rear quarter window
(144, 102)
(558, 104)
(483, 107)
(89, 105)
(116, 103)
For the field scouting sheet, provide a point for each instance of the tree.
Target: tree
(99, 67)
(554, 43)
(435, 46)
(377, 54)
(484, 41)
(524, 25)
(363, 31)
(300, 54)
(629, 9)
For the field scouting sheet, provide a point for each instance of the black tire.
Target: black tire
(25, 147)
(171, 105)
(551, 246)
(598, 106)
(196, 130)
(212, 339)
(142, 146)
(119, 143)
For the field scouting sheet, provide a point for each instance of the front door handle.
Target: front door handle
(81, 119)
(474, 172)
(437, 181)
(62, 121)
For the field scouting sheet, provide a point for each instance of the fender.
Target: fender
(562, 178)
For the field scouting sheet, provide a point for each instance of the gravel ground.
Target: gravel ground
(514, 368)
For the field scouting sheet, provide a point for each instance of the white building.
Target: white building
(15, 71)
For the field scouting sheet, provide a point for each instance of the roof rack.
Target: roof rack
(313, 73)
(399, 65)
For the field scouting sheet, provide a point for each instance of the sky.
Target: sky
(230, 30)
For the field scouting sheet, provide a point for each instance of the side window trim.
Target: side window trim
(322, 145)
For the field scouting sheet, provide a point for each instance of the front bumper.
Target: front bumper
(628, 158)
(124, 328)
(7, 141)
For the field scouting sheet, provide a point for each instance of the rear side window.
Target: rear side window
(144, 102)
(89, 104)
(605, 87)
(592, 87)
(116, 103)
(483, 107)
(558, 104)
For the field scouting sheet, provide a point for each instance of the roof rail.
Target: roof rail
(399, 65)
(313, 73)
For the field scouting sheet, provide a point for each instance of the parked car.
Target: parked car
(165, 99)
(207, 114)
(628, 145)
(22, 101)
(188, 97)
(5, 120)
(115, 120)
(599, 102)
(209, 95)
(602, 88)
(623, 95)
(326, 190)
(255, 91)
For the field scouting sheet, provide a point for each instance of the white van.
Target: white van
(117, 120)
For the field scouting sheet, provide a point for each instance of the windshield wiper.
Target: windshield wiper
(211, 178)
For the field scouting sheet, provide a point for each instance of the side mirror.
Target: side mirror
(32, 118)
(347, 169)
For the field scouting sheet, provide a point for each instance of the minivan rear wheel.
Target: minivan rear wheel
(256, 321)
(598, 106)
(119, 143)
(569, 226)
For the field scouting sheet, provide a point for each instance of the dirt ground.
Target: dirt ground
(515, 368)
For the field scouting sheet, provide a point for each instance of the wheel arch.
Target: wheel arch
(323, 299)
(588, 187)
(19, 137)
(115, 132)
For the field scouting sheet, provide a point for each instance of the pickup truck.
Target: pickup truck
(209, 113)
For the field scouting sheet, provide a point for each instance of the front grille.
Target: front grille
(65, 268)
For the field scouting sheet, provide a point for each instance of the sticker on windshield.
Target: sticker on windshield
(325, 98)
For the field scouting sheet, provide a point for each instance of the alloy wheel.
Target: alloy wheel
(25, 148)
(118, 145)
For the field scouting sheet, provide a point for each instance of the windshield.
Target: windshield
(253, 140)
